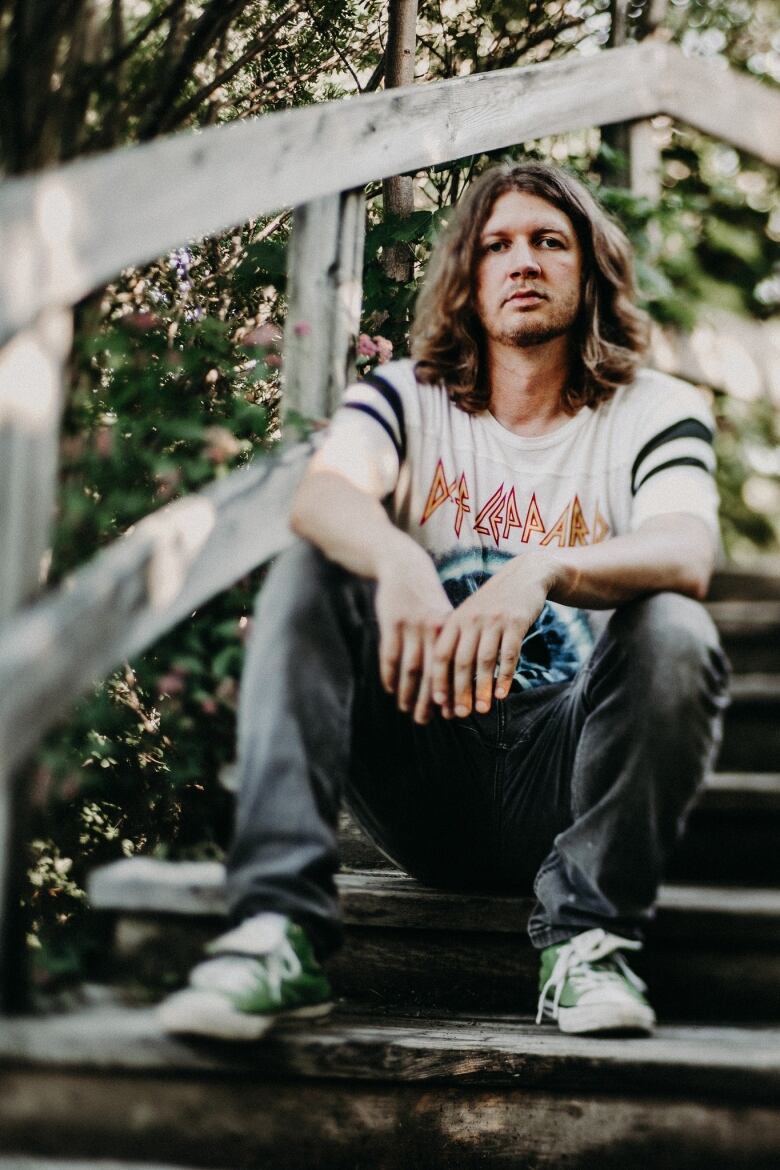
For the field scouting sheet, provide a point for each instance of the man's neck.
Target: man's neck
(526, 385)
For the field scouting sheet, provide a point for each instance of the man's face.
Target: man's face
(529, 271)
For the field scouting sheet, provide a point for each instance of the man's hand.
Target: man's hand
(412, 609)
(485, 633)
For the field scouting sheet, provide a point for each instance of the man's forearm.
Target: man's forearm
(675, 553)
(348, 525)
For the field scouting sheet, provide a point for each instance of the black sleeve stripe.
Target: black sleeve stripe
(683, 461)
(382, 422)
(393, 400)
(687, 428)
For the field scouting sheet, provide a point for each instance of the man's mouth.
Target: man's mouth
(526, 294)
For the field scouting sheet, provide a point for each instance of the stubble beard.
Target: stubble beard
(525, 333)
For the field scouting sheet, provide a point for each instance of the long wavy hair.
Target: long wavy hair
(610, 334)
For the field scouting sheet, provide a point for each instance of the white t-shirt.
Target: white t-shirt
(474, 494)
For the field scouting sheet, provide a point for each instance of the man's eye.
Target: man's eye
(496, 246)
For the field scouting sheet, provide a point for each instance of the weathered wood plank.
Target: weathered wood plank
(31, 367)
(750, 633)
(761, 687)
(736, 583)
(731, 835)
(471, 971)
(64, 232)
(283, 1123)
(644, 161)
(391, 899)
(136, 590)
(509, 1050)
(30, 407)
(30, 1162)
(723, 102)
(748, 791)
(324, 297)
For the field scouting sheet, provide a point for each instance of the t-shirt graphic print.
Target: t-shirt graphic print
(475, 494)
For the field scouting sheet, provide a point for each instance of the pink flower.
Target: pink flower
(366, 347)
(274, 360)
(301, 328)
(268, 334)
(209, 707)
(222, 444)
(104, 442)
(170, 684)
(384, 349)
(143, 322)
(168, 482)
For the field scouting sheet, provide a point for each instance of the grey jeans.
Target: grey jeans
(576, 790)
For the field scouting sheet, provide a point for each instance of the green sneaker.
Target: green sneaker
(264, 970)
(587, 986)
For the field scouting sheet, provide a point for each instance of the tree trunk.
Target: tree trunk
(398, 191)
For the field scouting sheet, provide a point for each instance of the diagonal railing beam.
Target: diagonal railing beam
(137, 589)
(64, 232)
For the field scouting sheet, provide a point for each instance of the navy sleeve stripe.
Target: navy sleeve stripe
(683, 461)
(393, 400)
(382, 422)
(687, 428)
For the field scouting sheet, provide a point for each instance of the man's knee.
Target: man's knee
(671, 646)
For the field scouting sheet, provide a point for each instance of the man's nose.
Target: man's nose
(523, 260)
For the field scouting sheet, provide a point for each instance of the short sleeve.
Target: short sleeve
(673, 468)
(366, 440)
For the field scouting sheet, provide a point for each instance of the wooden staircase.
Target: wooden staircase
(431, 1058)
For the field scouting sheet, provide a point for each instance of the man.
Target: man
(428, 651)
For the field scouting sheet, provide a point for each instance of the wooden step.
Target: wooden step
(751, 734)
(397, 1091)
(732, 836)
(30, 1162)
(750, 632)
(389, 898)
(742, 792)
(761, 582)
(712, 952)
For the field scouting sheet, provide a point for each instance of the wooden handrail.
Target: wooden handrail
(66, 231)
(137, 589)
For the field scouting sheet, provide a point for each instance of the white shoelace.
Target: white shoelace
(237, 974)
(573, 962)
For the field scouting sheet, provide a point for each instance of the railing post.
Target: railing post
(325, 284)
(31, 378)
(635, 140)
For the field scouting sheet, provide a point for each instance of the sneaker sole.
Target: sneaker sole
(605, 1018)
(201, 1013)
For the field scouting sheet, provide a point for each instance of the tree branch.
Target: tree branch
(509, 58)
(326, 32)
(177, 115)
(207, 31)
(121, 55)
